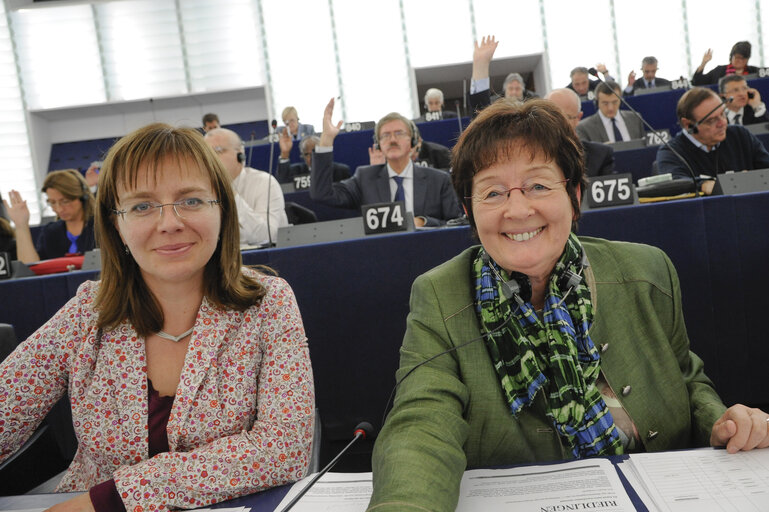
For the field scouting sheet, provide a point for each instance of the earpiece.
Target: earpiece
(693, 128)
(241, 157)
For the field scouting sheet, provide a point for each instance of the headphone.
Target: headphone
(241, 156)
(83, 185)
(694, 129)
(522, 292)
(414, 134)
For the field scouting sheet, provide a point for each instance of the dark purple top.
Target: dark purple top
(105, 496)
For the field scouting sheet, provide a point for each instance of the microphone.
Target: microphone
(594, 72)
(459, 116)
(251, 147)
(269, 181)
(695, 127)
(363, 430)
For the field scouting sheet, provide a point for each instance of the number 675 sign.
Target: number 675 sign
(611, 190)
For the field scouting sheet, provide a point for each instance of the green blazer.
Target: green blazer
(451, 415)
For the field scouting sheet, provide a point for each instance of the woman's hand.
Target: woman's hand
(705, 59)
(285, 143)
(741, 428)
(80, 503)
(17, 209)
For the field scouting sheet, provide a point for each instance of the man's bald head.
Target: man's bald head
(569, 102)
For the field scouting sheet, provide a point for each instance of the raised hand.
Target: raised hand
(285, 143)
(631, 79)
(482, 55)
(375, 156)
(330, 130)
(601, 68)
(17, 209)
(706, 58)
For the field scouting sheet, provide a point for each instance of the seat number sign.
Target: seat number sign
(302, 181)
(5, 265)
(612, 190)
(384, 217)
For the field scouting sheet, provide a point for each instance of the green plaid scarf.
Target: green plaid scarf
(554, 353)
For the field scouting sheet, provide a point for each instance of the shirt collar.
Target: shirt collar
(407, 172)
(697, 143)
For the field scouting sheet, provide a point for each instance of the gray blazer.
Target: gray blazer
(434, 196)
(592, 129)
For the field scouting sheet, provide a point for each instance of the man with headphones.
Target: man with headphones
(427, 192)
(610, 124)
(708, 143)
(256, 192)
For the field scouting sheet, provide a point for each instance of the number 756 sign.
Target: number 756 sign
(611, 190)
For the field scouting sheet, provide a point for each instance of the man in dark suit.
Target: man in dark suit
(581, 83)
(427, 192)
(287, 170)
(599, 158)
(650, 80)
(610, 124)
(746, 106)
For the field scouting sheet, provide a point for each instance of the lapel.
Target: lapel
(600, 128)
(420, 189)
(383, 185)
(121, 360)
(211, 328)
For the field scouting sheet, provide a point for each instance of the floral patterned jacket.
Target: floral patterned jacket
(241, 421)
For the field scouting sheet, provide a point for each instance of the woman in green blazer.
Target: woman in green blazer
(559, 347)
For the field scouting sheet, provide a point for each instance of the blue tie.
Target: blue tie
(617, 134)
(400, 194)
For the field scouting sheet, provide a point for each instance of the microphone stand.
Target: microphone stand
(269, 182)
(364, 429)
(594, 72)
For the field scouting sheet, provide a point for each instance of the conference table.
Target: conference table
(353, 296)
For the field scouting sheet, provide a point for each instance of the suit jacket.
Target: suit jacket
(749, 116)
(451, 414)
(640, 84)
(434, 196)
(592, 128)
(599, 158)
(304, 130)
(712, 76)
(233, 428)
(432, 154)
(287, 171)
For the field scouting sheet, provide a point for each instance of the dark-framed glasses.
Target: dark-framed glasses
(496, 195)
(187, 208)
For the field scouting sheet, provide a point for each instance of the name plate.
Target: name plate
(5, 265)
(681, 83)
(384, 217)
(433, 116)
(612, 190)
(763, 72)
(653, 139)
(302, 181)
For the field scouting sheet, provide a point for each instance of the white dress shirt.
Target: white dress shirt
(620, 124)
(408, 184)
(251, 200)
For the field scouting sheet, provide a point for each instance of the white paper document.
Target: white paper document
(704, 480)
(591, 484)
(342, 492)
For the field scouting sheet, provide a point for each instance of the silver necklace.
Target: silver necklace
(173, 338)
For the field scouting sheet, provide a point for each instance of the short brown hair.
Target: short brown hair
(501, 130)
(691, 100)
(73, 186)
(123, 294)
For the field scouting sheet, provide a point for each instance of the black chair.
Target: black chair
(298, 214)
(48, 451)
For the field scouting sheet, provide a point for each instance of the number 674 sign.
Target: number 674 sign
(611, 190)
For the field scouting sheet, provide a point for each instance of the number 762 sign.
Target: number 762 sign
(611, 190)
